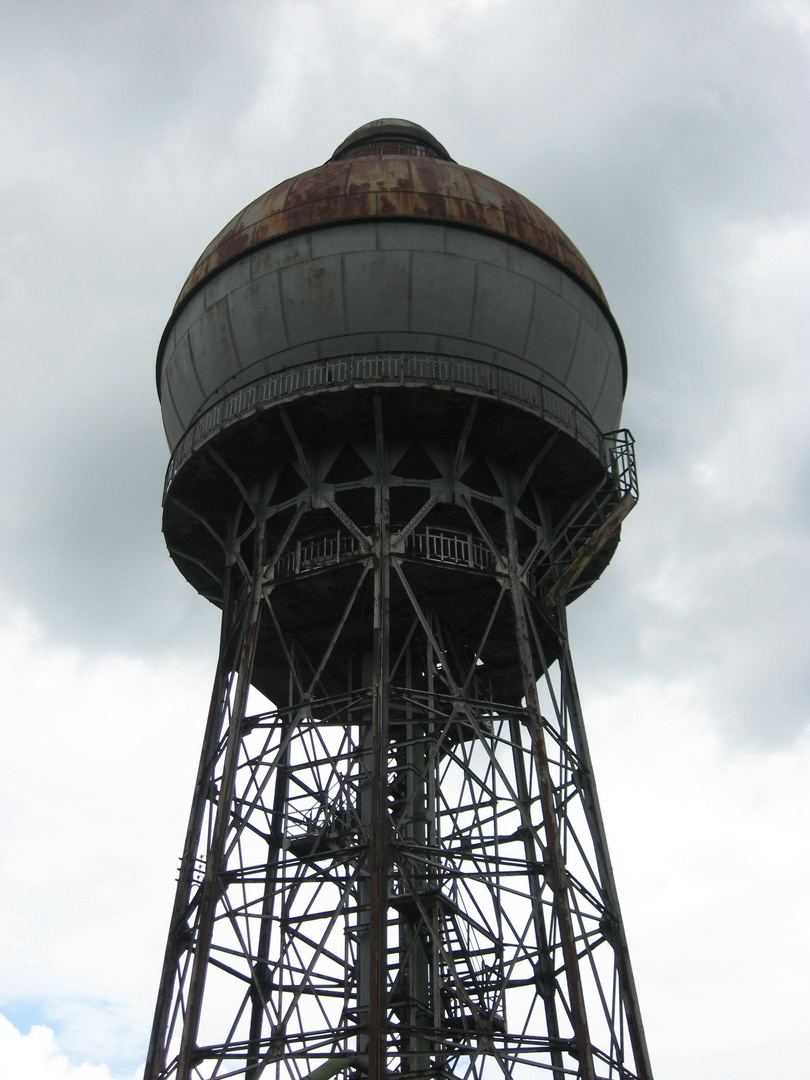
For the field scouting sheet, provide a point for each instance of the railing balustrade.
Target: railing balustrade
(435, 545)
(388, 370)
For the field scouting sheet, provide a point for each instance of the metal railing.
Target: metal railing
(465, 549)
(622, 462)
(318, 551)
(589, 524)
(446, 372)
(445, 546)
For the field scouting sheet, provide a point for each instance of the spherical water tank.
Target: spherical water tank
(391, 266)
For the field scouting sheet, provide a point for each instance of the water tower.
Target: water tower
(392, 390)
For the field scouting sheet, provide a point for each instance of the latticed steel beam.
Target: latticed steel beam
(400, 867)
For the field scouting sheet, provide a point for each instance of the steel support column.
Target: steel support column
(398, 866)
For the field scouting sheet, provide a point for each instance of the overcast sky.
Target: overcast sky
(670, 141)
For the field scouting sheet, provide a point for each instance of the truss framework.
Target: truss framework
(400, 868)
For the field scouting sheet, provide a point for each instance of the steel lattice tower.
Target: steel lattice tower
(392, 389)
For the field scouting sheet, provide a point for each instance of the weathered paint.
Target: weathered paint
(396, 187)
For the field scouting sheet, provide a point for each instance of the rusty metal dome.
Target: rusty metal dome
(392, 265)
(390, 136)
(395, 170)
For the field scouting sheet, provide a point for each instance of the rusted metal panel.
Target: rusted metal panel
(425, 189)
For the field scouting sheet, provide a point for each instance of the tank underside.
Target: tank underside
(453, 460)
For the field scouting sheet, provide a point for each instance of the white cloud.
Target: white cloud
(36, 1056)
(794, 14)
(713, 866)
(92, 817)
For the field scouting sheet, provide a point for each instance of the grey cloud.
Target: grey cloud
(633, 129)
